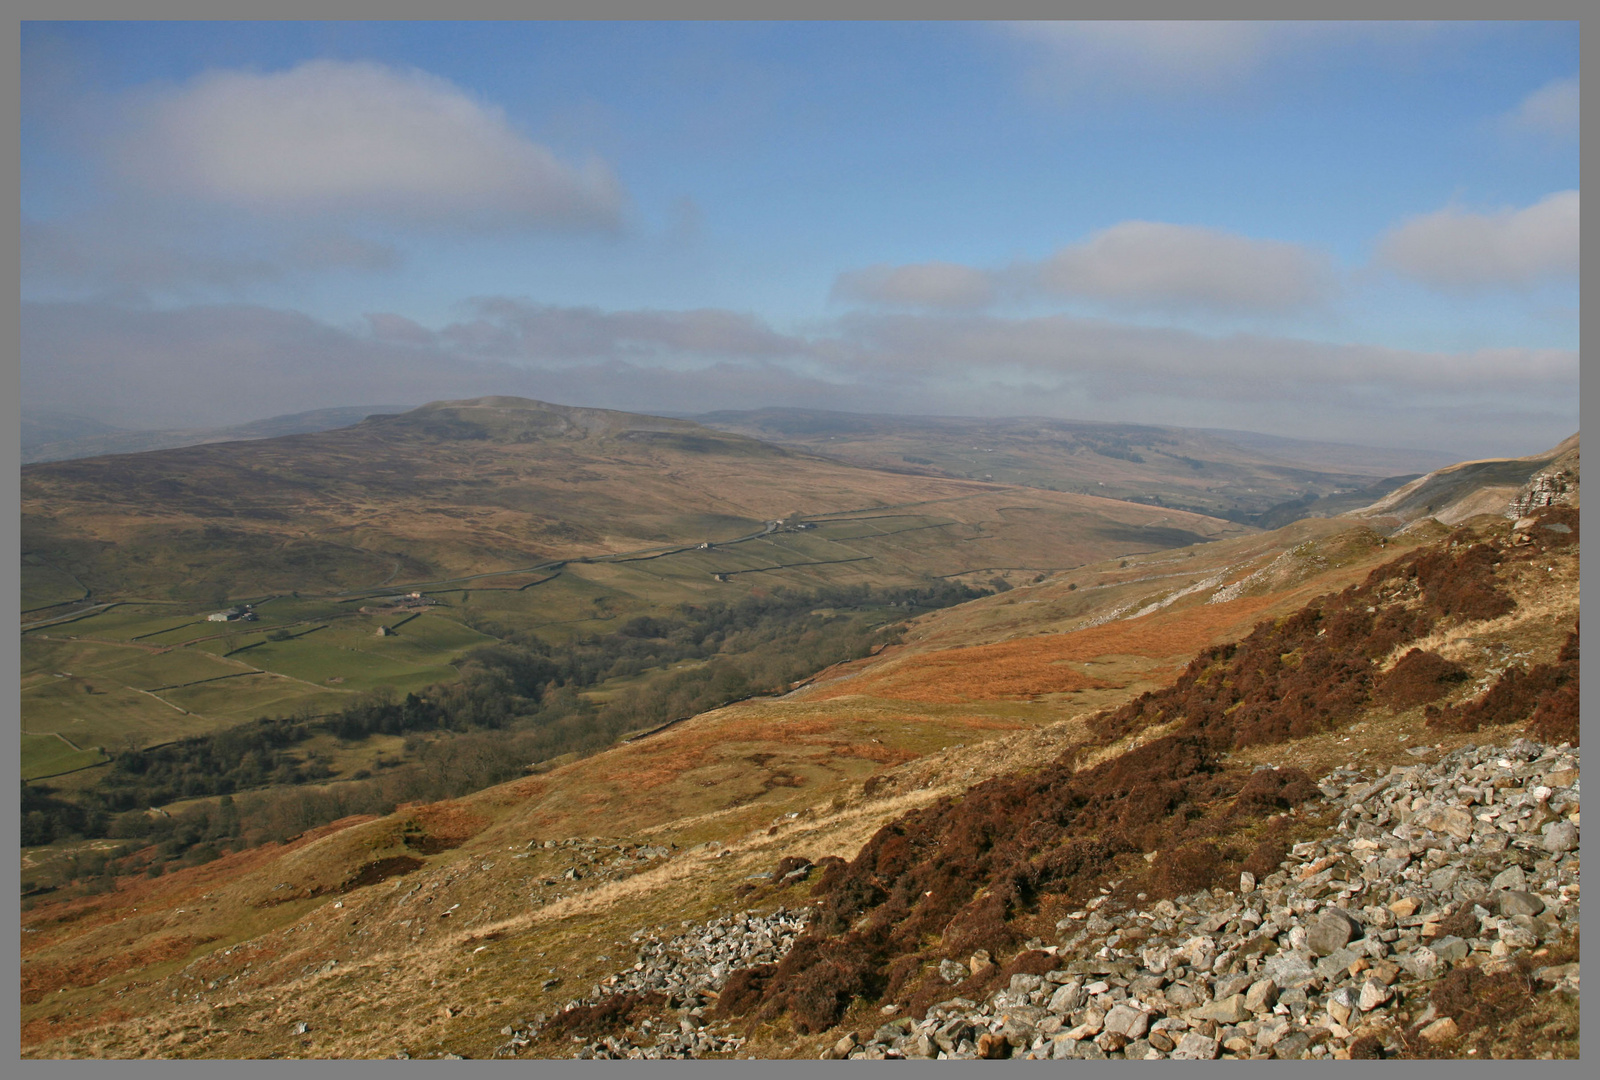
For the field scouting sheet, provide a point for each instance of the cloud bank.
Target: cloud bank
(1460, 250)
(943, 285)
(1131, 266)
(1151, 264)
(1167, 56)
(223, 364)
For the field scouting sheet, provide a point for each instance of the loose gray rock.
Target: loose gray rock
(1520, 903)
(1340, 933)
(1066, 999)
(1195, 1047)
(1561, 837)
(1230, 1010)
(1373, 994)
(1262, 996)
(1127, 1021)
(1332, 929)
(1288, 970)
(1426, 964)
(1511, 878)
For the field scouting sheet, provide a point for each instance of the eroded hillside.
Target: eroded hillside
(431, 930)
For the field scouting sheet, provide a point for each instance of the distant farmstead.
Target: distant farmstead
(233, 614)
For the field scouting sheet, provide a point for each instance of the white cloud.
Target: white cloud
(1460, 250)
(357, 137)
(1177, 55)
(1117, 359)
(930, 284)
(545, 332)
(1151, 264)
(1551, 110)
(1169, 50)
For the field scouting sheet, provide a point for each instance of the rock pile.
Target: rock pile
(688, 970)
(1471, 860)
(598, 860)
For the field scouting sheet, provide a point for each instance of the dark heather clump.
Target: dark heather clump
(1419, 677)
(955, 876)
(1556, 717)
(610, 1015)
(1311, 671)
(1546, 696)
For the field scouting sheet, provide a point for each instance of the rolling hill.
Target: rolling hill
(429, 931)
(497, 485)
(520, 526)
(434, 929)
(1242, 476)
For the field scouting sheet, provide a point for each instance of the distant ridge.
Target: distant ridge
(1501, 486)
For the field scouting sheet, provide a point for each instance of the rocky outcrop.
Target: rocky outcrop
(686, 973)
(1553, 487)
(1468, 862)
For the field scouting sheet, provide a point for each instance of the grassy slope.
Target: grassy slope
(470, 491)
(733, 776)
(461, 489)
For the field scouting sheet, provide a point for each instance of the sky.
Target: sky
(1352, 232)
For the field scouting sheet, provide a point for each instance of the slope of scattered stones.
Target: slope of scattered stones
(964, 875)
(1433, 888)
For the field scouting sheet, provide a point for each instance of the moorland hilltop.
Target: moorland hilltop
(1115, 809)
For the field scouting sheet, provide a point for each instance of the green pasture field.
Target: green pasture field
(288, 609)
(567, 607)
(328, 655)
(46, 755)
(125, 622)
(252, 695)
(426, 639)
(105, 665)
(108, 716)
(150, 671)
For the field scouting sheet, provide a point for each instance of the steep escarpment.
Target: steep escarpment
(1173, 815)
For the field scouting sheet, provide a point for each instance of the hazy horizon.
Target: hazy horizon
(1362, 233)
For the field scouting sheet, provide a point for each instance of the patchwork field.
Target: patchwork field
(52, 755)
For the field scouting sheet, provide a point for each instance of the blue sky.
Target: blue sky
(1360, 232)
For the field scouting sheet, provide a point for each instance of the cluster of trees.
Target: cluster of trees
(517, 701)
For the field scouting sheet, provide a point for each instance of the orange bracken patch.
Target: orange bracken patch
(54, 1027)
(53, 921)
(41, 978)
(1026, 668)
(448, 822)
